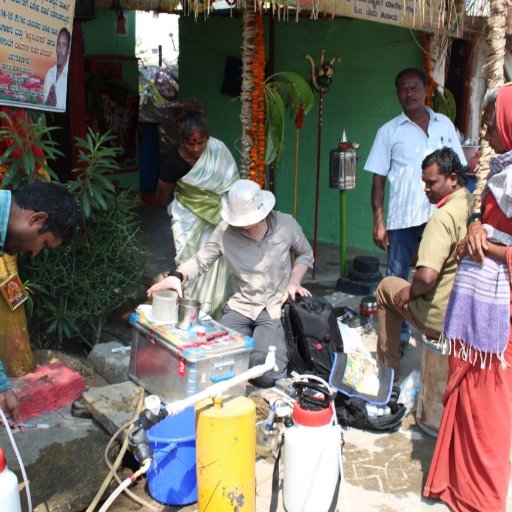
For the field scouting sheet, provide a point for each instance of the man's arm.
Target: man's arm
(8, 401)
(294, 287)
(423, 281)
(380, 235)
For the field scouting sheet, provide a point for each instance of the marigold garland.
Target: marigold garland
(257, 131)
(427, 66)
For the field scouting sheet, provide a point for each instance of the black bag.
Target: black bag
(352, 412)
(312, 335)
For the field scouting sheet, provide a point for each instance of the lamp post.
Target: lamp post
(342, 176)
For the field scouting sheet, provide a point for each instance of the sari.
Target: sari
(195, 213)
(470, 469)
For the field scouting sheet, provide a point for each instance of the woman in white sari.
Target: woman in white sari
(200, 172)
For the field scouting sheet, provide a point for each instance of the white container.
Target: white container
(164, 306)
(9, 494)
(311, 467)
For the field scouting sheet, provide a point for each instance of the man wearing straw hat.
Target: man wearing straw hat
(256, 242)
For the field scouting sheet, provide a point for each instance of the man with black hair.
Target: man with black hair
(35, 217)
(397, 152)
(423, 302)
(55, 82)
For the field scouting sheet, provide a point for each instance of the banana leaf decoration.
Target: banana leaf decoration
(444, 102)
(284, 91)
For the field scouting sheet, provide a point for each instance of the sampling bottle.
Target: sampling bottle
(311, 457)
(9, 493)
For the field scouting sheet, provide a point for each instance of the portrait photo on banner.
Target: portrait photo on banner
(35, 44)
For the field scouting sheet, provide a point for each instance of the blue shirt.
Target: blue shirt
(5, 385)
(5, 210)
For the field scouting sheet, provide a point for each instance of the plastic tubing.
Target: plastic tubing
(221, 387)
(20, 461)
(113, 467)
(124, 485)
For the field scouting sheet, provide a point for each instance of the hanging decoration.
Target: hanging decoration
(427, 66)
(257, 132)
(438, 97)
(248, 50)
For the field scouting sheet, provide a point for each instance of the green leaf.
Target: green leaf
(284, 90)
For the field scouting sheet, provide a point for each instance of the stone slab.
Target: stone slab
(114, 405)
(111, 361)
(47, 388)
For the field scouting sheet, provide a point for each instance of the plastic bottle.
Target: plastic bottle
(191, 378)
(9, 494)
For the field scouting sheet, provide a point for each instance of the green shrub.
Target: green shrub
(74, 288)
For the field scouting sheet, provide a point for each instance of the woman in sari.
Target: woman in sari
(200, 172)
(470, 468)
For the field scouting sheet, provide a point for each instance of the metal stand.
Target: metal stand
(317, 194)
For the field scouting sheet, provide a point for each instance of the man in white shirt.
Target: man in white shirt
(55, 83)
(397, 152)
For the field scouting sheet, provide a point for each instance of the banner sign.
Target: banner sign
(35, 43)
(431, 16)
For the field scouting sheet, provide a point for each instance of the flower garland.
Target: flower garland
(257, 130)
(427, 66)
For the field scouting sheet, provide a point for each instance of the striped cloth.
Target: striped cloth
(5, 210)
(478, 313)
(5, 385)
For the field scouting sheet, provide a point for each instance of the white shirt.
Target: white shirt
(60, 85)
(397, 152)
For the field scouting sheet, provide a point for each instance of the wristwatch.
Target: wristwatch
(477, 216)
(175, 273)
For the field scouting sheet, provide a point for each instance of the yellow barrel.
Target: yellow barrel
(226, 455)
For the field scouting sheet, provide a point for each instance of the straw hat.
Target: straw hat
(247, 204)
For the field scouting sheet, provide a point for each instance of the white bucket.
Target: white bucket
(164, 306)
(311, 467)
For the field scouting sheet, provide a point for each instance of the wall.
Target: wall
(362, 97)
(100, 38)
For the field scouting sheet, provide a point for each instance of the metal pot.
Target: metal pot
(188, 313)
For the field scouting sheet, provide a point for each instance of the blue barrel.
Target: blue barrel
(172, 476)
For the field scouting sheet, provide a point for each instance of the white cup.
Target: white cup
(164, 306)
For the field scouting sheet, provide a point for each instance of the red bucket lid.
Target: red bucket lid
(311, 418)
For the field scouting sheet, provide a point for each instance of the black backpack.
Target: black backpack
(312, 335)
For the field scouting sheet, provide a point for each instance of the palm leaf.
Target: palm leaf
(284, 91)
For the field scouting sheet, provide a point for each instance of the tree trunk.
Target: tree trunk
(494, 68)
(15, 351)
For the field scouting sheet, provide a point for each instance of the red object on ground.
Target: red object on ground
(47, 388)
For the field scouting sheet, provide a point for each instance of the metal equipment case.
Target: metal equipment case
(174, 364)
